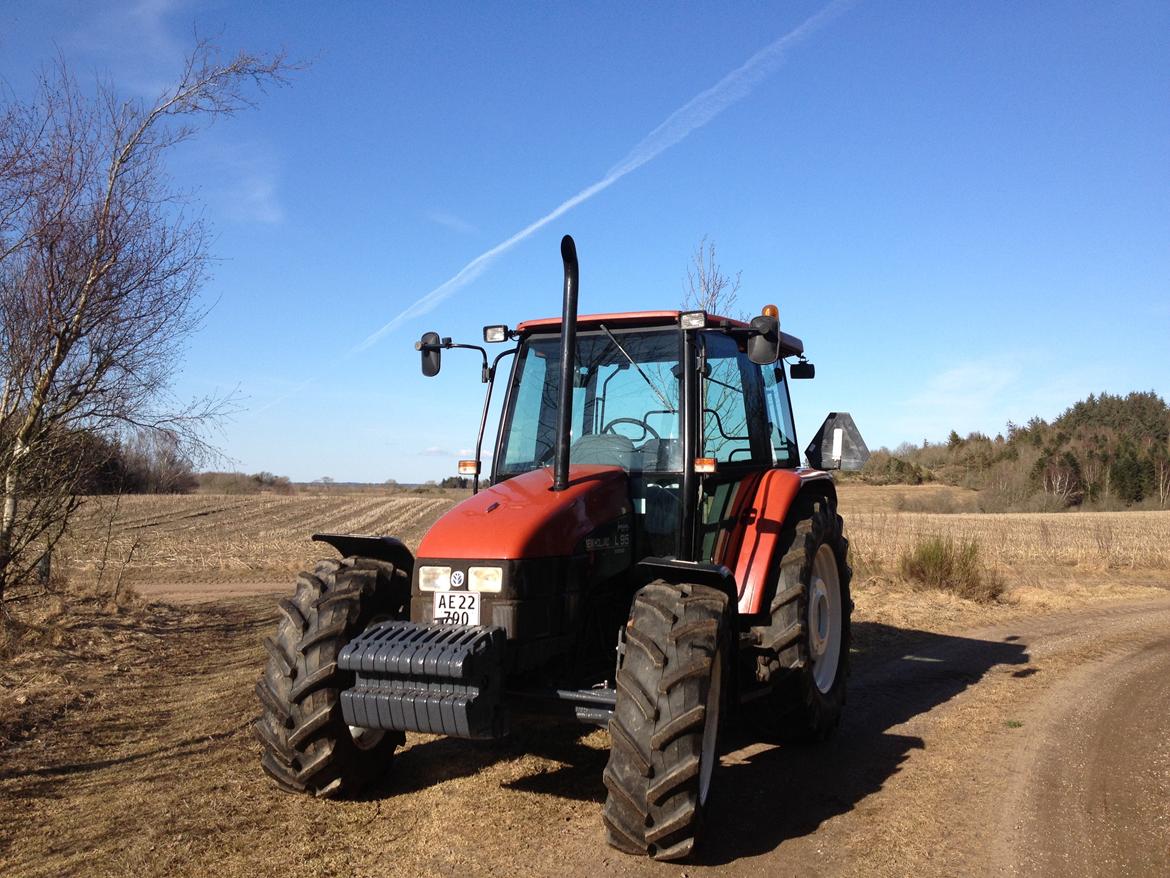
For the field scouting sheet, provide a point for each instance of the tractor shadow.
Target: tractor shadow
(762, 795)
(435, 760)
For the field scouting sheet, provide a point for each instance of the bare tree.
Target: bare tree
(707, 288)
(1161, 461)
(99, 270)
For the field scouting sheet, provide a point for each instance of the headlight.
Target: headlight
(434, 578)
(485, 578)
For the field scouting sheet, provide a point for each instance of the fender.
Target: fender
(698, 572)
(754, 545)
(378, 548)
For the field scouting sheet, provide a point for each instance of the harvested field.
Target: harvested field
(858, 497)
(214, 537)
(232, 538)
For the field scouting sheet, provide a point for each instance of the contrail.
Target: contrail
(692, 115)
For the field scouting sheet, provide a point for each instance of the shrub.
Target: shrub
(883, 468)
(943, 564)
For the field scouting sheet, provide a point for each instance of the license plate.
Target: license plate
(457, 607)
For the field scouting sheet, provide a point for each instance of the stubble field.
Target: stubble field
(208, 538)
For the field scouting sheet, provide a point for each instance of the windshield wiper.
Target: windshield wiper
(645, 377)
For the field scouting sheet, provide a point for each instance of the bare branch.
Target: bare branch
(707, 288)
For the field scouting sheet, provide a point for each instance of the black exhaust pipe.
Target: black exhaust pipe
(568, 364)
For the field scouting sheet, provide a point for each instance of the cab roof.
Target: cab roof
(790, 345)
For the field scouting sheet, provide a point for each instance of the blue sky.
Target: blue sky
(962, 208)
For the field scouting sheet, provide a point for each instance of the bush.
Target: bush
(883, 468)
(941, 563)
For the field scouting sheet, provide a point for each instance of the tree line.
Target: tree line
(1106, 451)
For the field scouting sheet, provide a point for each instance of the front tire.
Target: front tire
(665, 726)
(307, 746)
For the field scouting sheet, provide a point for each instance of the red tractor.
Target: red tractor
(650, 554)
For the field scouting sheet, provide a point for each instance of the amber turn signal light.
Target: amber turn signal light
(469, 467)
(704, 464)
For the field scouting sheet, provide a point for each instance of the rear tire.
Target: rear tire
(664, 730)
(805, 650)
(307, 746)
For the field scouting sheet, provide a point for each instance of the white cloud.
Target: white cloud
(984, 394)
(452, 222)
(435, 451)
(246, 175)
(134, 41)
(966, 397)
(135, 44)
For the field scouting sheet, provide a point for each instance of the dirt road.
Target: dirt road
(1039, 746)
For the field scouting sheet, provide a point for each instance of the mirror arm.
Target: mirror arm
(485, 370)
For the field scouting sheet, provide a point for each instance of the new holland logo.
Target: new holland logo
(457, 579)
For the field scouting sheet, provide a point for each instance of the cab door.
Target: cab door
(735, 430)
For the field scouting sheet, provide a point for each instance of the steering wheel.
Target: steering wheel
(646, 428)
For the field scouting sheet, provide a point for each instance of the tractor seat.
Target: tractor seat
(603, 449)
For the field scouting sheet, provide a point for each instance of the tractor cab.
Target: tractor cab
(628, 412)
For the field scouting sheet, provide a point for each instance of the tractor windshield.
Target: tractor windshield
(625, 403)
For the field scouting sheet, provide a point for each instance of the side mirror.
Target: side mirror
(803, 369)
(432, 353)
(763, 344)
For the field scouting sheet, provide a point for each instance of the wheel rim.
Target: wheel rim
(710, 726)
(824, 618)
(366, 739)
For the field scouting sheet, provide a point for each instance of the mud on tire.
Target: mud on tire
(663, 731)
(808, 694)
(307, 746)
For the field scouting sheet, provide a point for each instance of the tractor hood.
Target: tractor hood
(525, 518)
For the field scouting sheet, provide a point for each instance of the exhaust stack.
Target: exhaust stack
(568, 364)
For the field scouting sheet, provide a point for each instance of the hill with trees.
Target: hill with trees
(1104, 452)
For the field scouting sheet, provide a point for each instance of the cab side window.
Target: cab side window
(781, 429)
(733, 418)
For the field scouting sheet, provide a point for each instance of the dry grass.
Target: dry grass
(1032, 552)
(207, 536)
(52, 654)
(858, 497)
(1088, 541)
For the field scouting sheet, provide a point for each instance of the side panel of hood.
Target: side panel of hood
(524, 518)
